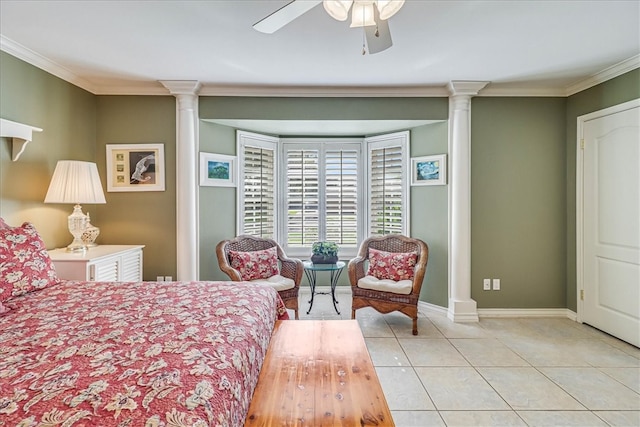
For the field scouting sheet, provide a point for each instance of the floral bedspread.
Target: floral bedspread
(134, 354)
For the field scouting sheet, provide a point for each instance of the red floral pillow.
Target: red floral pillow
(25, 265)
(255, 264)
(391, 265)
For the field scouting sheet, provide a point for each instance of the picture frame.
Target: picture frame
(135, 167)
(217, 170)
(429, 170)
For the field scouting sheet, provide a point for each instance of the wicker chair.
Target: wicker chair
(386, 302)
(289, 267)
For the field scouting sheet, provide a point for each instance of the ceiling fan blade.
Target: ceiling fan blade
(381, 41)
(284, 15)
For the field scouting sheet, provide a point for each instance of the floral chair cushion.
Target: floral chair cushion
(255, 264)
(25, 264)
(391, 265)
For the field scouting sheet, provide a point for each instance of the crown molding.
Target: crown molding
(156, 88)
(27, 55)
(498, 91)
(604, 75)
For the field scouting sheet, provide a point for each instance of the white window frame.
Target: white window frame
(321, 144)
(396, 139)
(256, 140)
(366, 145)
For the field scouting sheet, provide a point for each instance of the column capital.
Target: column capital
(182, 87)
(468, 88)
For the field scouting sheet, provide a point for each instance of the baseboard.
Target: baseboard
(429, 308)
(432, 309)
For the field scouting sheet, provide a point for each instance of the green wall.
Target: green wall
(268, 108)
(429, 206)
(67, 115)
(430, 214)
(518, 201)
(523, 175)
(217, 205)
(76, 126)
(146, 218)
(612, 92)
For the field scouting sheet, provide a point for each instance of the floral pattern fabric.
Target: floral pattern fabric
(134, 354)
(255, 264)
(391, 265)
(25, 264)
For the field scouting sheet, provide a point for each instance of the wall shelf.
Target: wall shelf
(21, 135)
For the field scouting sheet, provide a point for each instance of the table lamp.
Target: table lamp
(75, 182)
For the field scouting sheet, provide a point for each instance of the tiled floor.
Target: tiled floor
(498, 372)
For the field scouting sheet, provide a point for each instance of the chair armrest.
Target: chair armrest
(356, 269)
(291, 268)
(223, 262)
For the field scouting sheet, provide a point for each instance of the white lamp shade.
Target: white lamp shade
(362, 14)
(75, 182)
(338, 9)
(388, 8)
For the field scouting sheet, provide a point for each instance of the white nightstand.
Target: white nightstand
(104, 263)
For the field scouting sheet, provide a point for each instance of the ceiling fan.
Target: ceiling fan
(372, 15)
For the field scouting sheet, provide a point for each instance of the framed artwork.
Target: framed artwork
(429, 170)
(217, 170)
(135, 167)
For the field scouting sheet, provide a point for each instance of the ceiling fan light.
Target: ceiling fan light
(388, 8)
(338, 9)
(362, 14)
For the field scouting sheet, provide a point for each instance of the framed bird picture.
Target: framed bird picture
(135, 167)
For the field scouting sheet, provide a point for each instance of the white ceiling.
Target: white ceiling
(520, 47)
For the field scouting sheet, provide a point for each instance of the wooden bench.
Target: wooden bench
(318, 373)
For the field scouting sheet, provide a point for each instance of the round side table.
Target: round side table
(310, 270)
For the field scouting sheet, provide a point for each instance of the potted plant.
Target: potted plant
(324, 253)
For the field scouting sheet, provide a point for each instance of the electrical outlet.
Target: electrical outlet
(486, 283)
(496, 284)
(168, 279)
(160, 279)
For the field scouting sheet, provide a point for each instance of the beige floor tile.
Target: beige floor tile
(507, 328)
(627, 376)
(487, 352)
(403, 390)
(594, 389)
(620, 418)
(417, 419)
(459, 389)
(555, 328)
(403, 327)
(431, 352)
(526, 389)
(482, 418)
(386, 352)
(458, 330)
(561, 418)
(544, 352)
(375, 326)
(599, 353)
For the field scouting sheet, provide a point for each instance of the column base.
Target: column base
(463, 311)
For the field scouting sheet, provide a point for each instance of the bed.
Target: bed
(125, 354)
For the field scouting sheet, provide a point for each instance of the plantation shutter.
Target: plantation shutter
(303, 197)
(257, 195)
(388, 185)
(322, 198)
(341, 195)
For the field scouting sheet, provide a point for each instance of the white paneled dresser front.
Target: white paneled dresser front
(104, 263)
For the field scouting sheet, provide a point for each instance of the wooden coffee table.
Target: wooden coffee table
(318, 373)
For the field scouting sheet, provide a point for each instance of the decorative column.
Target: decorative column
(461, 307)
(186, 93)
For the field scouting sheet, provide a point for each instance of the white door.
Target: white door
(611, 221)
